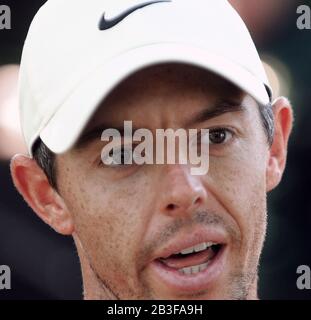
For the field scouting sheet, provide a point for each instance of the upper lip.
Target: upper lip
(192, 238)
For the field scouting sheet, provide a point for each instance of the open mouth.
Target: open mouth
(193, 260)
(191, 264)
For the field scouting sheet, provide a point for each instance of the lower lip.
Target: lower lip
(190, 283)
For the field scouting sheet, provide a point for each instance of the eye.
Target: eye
(220, 136)
(118, 157)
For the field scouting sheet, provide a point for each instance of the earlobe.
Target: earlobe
(274, 174)
(283, 121)
(33, 185)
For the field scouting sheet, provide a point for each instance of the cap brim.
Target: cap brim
(66, 125)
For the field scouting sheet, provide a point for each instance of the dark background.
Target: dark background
(45, 265)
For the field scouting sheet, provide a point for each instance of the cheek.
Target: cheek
(239, 184)
(109, 220)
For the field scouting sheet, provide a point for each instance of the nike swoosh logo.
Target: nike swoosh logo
(105, 24)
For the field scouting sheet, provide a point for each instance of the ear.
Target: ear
(33, 185)
(283, 122)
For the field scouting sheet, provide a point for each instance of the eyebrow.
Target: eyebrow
(218, 109)
(96, 133)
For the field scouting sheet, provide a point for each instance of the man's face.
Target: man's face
(132, 221)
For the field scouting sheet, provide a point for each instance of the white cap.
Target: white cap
(77, 51)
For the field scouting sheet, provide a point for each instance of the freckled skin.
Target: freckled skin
(121, 215)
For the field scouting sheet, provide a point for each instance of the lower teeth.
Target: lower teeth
(194, 269)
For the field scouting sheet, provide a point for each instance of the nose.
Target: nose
(182, 193)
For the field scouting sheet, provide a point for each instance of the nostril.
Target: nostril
(171, 206)
(197, 201)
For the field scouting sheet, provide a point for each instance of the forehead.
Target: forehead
(170, 86)
(172, 77)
